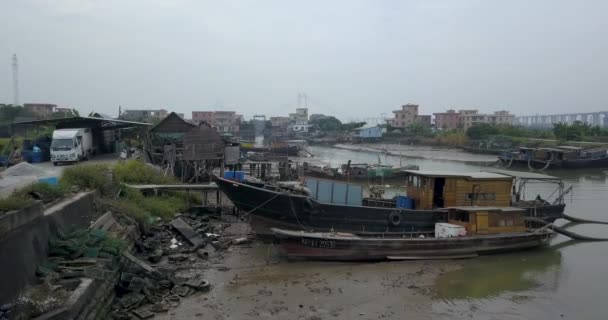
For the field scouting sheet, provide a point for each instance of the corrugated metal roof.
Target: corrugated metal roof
(525, 175)
(471, 175)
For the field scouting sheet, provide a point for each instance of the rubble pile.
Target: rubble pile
(80, 254)
(150, 284)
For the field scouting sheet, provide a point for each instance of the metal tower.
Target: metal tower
(15, 81)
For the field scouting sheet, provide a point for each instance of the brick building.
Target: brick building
(223, 121)
(406, 116)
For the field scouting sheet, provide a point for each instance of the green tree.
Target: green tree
(327, 124)
(482, 130)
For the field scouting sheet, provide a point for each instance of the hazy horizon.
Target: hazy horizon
(354, 59)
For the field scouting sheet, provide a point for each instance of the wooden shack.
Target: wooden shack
(488, 220)
(169, 130)
(203, 142)
(439, 189)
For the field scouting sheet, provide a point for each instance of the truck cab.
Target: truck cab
(71, 145)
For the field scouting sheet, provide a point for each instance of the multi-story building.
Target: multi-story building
(301, 115)
(279, 121)
(223, 121)
(40, 110)
(203, 116)
(447, 120)
(406, 116)
(424, 119)
(144, 115)
(470, 118)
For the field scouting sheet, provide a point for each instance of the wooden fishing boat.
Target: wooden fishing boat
(483, 230)
(305, 209)
(562, 157)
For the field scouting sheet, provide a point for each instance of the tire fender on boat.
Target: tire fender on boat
(394, 218)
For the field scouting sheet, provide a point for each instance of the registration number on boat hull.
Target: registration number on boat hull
(317, 243)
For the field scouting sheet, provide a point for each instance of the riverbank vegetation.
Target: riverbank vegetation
(500, 136)
(109, 181)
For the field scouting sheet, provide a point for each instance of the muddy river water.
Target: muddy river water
(566, 280)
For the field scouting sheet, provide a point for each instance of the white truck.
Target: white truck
(72, 145)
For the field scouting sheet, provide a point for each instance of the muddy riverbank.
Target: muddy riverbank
(260, 284)
(419, 152)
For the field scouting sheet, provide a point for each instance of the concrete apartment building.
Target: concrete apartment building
(447, 120)
(406, 116)
(424, 119)
(203, 116)
(144, 114)
(300, 116)
(470, 118)
(281, 122)
(40, 110)
(223, 121)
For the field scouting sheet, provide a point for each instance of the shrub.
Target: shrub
(48, 192)
(164, 206)
(90, 176)
(134, 171)
(14, 202)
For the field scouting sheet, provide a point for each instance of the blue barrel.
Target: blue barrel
(27, 155)
(36, 157)
(405, 202)
(235, 175)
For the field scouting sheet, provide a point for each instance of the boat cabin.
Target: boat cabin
(441, 189)
(488, 220)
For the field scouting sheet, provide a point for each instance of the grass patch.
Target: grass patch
(164, 206)
(14, 202)
(48, 192)
(135, 171)
(90, 176)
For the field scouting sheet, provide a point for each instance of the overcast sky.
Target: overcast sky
(354, 59)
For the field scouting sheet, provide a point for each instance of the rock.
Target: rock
(143, 313)
(121, 315)
(181, 291)
(159, 307)
(240, 240)
(178, 257)
(131, 300)
(156, 256)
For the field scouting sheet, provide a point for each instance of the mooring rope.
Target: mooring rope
(252, 210)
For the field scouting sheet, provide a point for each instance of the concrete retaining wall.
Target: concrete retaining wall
(26, 246)
(14, 219)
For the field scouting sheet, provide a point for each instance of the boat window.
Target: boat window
(459, 216)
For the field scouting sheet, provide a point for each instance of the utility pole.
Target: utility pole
(15, 80)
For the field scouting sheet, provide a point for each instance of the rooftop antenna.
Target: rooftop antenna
(15, 80)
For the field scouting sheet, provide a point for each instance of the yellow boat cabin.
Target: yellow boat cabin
(442, 189)
(488, 220)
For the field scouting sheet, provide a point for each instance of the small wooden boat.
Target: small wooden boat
(479, 231)
(562, 157)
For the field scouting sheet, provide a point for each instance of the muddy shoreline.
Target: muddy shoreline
(254, 281)
(420, 152)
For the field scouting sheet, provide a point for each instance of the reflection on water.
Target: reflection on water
(490, 276)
